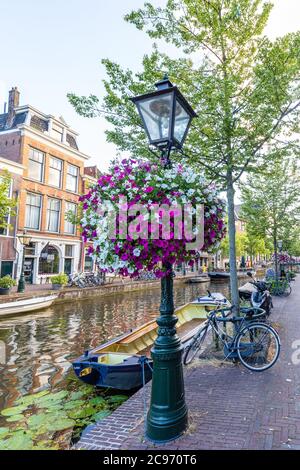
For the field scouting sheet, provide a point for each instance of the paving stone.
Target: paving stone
(231, 408)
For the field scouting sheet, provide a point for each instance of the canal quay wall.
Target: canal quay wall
(74, 293)
(229, 406)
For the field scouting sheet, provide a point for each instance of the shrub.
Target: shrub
(61, 278)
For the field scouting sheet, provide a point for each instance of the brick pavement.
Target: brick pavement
(230, 407)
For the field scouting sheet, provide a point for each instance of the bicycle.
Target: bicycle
(255, 343)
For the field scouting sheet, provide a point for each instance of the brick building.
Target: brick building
(8, 254)
(52, 179)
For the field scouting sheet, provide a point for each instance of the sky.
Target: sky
(53, 47)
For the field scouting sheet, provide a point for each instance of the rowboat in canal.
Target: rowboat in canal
(118, 363)
(197, 279)
(216, 275)
(21, 306)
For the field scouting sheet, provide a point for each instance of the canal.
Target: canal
(37, 349)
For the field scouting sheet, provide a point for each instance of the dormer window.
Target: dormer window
(57, 132)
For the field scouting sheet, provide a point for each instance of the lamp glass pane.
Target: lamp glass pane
(182, 119)
(156, 112)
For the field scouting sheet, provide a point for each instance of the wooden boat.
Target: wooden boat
(26, 305)
(118, 363)
(226, 275)
(198, 279)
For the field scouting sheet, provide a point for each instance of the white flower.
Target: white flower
(136, 252)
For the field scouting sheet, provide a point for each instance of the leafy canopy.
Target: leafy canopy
(244, 86)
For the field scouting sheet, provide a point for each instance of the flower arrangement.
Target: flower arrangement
(147, 185)
(283, 258)
(6, 282)
(61, 279)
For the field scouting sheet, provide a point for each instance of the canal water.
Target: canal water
(36, 350)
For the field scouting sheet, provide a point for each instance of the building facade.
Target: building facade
(8, 252)
(52, 179)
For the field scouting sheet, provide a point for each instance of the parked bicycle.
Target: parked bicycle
(83, 280)
(255, 343)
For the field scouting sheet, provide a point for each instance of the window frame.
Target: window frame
(32, 149)
(9, 195)
(66, 221)
(51, 157)
(49, 210)
(40, 207)
(77, 178)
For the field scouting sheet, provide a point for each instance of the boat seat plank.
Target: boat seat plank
(134, 336)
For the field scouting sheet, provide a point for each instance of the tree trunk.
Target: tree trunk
(232, 249)
(275, 254)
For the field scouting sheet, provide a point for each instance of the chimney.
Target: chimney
(13, 102)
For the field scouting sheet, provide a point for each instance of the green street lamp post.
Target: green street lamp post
(166, 117)
(24, 239)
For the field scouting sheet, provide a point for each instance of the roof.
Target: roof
(19, 118)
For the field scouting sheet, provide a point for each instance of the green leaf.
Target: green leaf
(73, 404)
(98, 401)
(15, 418)
(30, 399)
(14, 410)
(61, 424)
(4, 432)
(76, 395)
(117, 399)
(18, 441)
(101, 415)
(80, 413)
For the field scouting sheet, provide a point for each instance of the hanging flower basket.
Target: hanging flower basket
(131, 184)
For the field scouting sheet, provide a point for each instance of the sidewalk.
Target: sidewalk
(230, 407)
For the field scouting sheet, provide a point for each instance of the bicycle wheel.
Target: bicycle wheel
(195, 346)
(258, 346)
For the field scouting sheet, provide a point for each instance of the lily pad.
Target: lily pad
(98, 401)
(61, 424)
(117, 399)
(73, 404)
(101, 415)
(81, 413)
(15, 410)
(30, 399)
(76, 395)
(15, 418)
(4, 432)
(44, 422)
(18, 441)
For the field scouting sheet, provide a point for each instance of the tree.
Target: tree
(7, 204)
(244, 87)
(271, 202)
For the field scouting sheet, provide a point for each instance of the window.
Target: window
(55, 171)
(33, 211)
(68, 251)
(49, 260)
(88, 262)
(53, 211)
(70, 211)
(72, 178)
(5, 219)
(36, 164)
(68, 259)
(57, 132)
(6, 268)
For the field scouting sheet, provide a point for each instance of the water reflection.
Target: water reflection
(39, 347)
